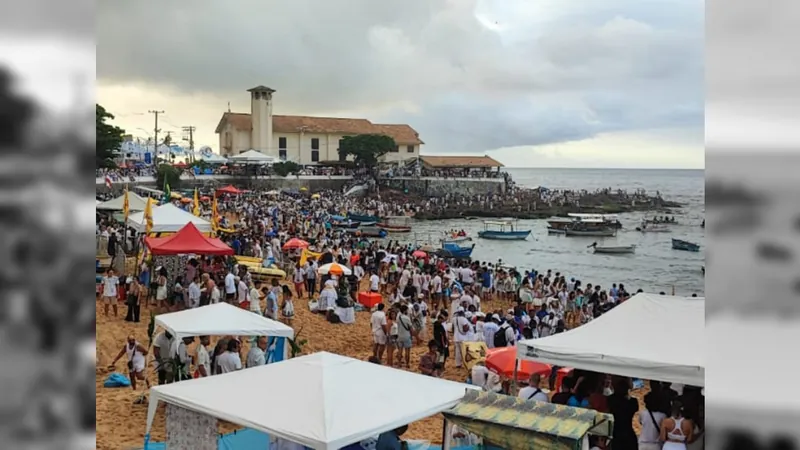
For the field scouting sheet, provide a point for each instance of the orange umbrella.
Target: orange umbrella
(294, 243)
(419, 254)
(205, 198)
(502, 360)
(334, 269)
(186, 200)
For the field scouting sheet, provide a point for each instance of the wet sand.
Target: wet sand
(121, 424)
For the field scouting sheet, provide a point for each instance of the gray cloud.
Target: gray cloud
(614, 66)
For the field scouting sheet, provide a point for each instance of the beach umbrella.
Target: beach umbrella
(334, 269)
(294, 243)
(428, 249)
(419, 254)
(205, 198)
(186, 200)
(502, 360)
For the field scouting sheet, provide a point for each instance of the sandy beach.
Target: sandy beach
(121, 423)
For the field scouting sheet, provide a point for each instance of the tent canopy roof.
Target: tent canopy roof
(168, 218)
(221, 319)
(229, 189)
(617, 343)
(253, 156)
(344, 400)
(188, 240)
(135, 203)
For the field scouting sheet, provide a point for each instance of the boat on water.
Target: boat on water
(609, 220)
(450, 250)
(590, 228)
(396, 224)
(455, 237)
(343, 222)
(552, 230)
(687, 246)
(653, 229)
(504, 230)
(617, 250)
(368, 231)
(364, 219)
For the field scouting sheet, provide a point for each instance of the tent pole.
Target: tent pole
(514, 380)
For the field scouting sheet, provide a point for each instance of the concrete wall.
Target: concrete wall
(437, 187)
(430, 186)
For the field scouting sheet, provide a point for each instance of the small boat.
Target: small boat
(370, 231)
(620, 250)
(590, 232)
(455, 251)
(396, 224)
(346, 224)
(653, 229)
(679, 244)
(559, 223)
(609, 220)
(363, 218)
(552, 230)
(506, 231)
(450, 238)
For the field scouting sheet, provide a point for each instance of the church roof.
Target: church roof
(401, 133)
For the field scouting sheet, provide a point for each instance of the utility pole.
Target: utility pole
(190, 130)
(155, 135)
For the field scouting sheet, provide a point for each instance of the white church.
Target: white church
(302, 139)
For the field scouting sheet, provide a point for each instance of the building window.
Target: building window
(282, 154)
(314, 143)
(396, 149)
(282, 143)
(314, 155)
(410, 148)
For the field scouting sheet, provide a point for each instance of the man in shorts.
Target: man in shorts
(110, 284)
(230, 287)
(380, 329)
(404, 335)
(136, 354)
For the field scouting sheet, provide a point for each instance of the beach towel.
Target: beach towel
(116, 380)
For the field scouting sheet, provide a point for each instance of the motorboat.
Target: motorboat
(368, 231)
(609, 220)
(364, 219)
(584, 229)
(450, 250)
(505, 230)
(653, 229)
(552, 230)
(455, 238)
(615, 250)
(687, 246)
(343, 222)
(396, 224)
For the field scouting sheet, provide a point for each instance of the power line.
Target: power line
(190, 129)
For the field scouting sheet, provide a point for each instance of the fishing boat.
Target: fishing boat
(364, 219)
(343, 222)
(589, 228)
(396, 224)
(609, 220)
(454, 238)
(450, 250)
(653, 229)
(679, 244)
(369, 231)
(559, 223)
(619, 250)
(551, 230)
(506, 230)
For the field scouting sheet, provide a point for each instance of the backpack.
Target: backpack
(500, 337)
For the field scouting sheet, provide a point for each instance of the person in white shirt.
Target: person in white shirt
(215, 295)
(374, 281)
(162, 347)
(110, 283)
(380, 331)
(230, 360)
(462, 332)
(182, 355)
(299, 279)
(202, 359)
(650, 420)
(136, 353)
(257, 356)
(436, 290)
(486, 379)
(241, 291)
(490, 327)
(192, 300)
(532, 391)
(230, 287)
(255, 297)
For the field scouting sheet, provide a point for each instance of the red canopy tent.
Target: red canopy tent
(229, 189)
(187, 240)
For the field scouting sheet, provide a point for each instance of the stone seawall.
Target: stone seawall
(438, 187)
(428, 186)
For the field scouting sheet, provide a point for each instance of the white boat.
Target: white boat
(618, 250)
(455, 239)
(654, 229)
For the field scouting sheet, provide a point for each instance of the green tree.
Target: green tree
(108, 138)
(366, 149)
(285, 168)
(169, 174)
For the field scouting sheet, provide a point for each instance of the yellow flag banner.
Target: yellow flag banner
(214, 217)
(196, 208)
(307, 254)
(148, 216)
(126, 207)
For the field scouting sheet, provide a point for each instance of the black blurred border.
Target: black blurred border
(752, 75)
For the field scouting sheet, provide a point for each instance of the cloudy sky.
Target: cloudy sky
(552, 83)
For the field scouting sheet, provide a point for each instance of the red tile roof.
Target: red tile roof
(401, 133)
(470, 162)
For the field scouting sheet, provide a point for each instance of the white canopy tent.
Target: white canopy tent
(653, 337)
(212, 158)
(252, 157)
(135, 203)
(221, 319)
(343, 400)
(168, 218)
(743, 345)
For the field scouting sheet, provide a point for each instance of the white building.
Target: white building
(302, 139)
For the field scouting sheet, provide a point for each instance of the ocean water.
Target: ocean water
(654, 267)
